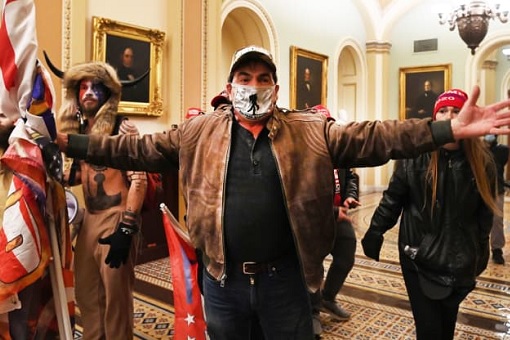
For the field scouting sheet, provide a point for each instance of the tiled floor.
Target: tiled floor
(374, 292)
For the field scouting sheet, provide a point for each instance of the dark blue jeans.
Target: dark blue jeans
(277, 299)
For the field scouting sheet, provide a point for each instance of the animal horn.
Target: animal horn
(60, 74)
(128, 83)
(52, 67)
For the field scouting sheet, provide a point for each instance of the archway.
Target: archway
(244, 23)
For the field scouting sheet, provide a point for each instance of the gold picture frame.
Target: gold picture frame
(415, 102)
(312, 91)
(113, 39)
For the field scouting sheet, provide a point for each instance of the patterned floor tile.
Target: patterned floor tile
(374, 293)
(153, 320)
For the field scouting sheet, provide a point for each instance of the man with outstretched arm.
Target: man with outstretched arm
(256, 181)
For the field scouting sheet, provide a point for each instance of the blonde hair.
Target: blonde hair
(482, 165)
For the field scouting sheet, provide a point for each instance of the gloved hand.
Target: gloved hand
(372, 243)
(52, 157)
(53, 161)
(120, 243)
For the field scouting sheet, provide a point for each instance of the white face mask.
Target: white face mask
(253, 103)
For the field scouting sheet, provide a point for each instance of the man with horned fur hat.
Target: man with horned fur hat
(106, 244)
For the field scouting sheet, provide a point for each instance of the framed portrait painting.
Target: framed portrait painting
(308, 78)
(132, 51)
(420, 87)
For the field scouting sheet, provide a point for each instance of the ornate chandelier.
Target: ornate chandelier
(473, 21)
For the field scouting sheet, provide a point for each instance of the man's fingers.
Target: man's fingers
(500, 105)
(502, 119)
(500, 131)
(473, 98)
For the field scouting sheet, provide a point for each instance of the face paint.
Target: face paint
(91, 95)
(253, 103)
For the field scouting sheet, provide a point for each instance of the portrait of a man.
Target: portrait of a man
(424, 102)
(419, 89)
(309, 90)
(131, 59)
(308, 78)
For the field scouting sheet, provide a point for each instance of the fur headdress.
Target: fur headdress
(99, 72)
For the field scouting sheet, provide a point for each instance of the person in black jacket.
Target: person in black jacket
(344, 249)
(500, 153)
(447, 199)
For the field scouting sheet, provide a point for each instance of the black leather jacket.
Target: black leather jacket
(349, 182)
(500, 153)
(453, 242)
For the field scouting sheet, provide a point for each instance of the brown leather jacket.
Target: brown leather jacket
(306, 147)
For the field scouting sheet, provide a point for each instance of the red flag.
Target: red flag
(189, 320)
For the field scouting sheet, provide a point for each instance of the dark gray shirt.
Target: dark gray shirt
(256, 223)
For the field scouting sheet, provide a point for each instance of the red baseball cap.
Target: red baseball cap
(322, 110)
(221, 98)
(193, 112)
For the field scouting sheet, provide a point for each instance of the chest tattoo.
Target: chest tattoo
(102, 200)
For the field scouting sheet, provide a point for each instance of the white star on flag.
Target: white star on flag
(190, 319)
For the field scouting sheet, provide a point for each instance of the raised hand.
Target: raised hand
(477, 121)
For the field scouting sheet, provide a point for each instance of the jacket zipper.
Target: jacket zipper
(284, 194)
(223, 276)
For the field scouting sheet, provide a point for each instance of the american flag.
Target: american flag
(18, 43)
(35, 207)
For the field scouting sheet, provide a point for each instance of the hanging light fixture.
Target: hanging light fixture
(472, 20)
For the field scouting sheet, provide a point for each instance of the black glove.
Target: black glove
(372, 243)
(120, 243)
(53, 161)
(52, 157)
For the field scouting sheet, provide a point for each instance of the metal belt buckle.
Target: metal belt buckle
(245, 271)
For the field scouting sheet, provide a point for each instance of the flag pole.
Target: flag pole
(57, 284)
(175, 224)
